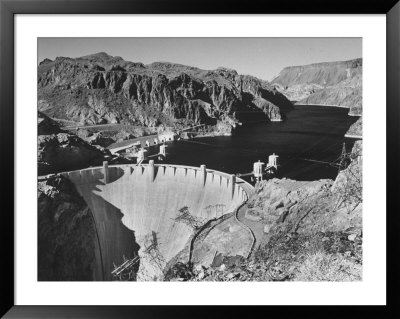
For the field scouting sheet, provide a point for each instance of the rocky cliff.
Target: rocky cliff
(60, 150)
(100, 88)
(355, 129)
(67, 243)
(331, 83)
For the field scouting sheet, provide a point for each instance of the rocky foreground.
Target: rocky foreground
(67, 240)
(99, 88)
(312, 232)
(330, 83)
(60, 150)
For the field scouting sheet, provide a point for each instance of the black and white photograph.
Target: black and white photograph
(200, 159)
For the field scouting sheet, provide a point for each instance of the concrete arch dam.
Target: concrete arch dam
(131, 204)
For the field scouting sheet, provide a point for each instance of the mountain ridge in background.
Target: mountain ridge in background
(99, 89)
(336, 83)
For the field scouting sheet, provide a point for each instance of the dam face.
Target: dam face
(133, 204)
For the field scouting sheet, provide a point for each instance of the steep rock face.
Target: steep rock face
(59, 150)
(298, 92)
(67, 244)
(331, 83)
(103, 89)
(47, 126)
(355, 129)
(324, 74)
(347, 93)
(348, 183)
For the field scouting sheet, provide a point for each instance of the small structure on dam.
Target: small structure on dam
(133, 204)
(161, 155)
(163, 150)
(142, 142)
(166, 136)
(258, 172)
(140, 156)
(272, 161)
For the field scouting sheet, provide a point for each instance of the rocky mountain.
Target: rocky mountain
(60, 150)
(67, 242)
(100, 88)
(330, 83)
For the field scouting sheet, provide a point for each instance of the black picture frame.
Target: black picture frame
(8, 10)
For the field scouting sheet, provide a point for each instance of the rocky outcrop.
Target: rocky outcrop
(355, 129)
(59, 150)
(96, 138)
(277, 199)
(324, 74)
(100, 88)
(47, 126)
(67, 243)
(347, 93)
(348, 184)
(298, 92)
(331, 83)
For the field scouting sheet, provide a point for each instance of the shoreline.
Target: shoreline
(339, 106)
(206, 135)
(353, 136)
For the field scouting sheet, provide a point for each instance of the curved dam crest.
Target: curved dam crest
(130, 202)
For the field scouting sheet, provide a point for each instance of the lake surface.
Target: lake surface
(309, 132)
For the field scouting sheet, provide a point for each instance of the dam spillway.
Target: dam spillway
(131, 202)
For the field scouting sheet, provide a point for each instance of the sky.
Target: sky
(260, 57)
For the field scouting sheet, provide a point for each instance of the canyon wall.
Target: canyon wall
(68, 247)
(100, 88)
(329, 83)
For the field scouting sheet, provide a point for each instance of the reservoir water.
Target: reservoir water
(309, 132)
